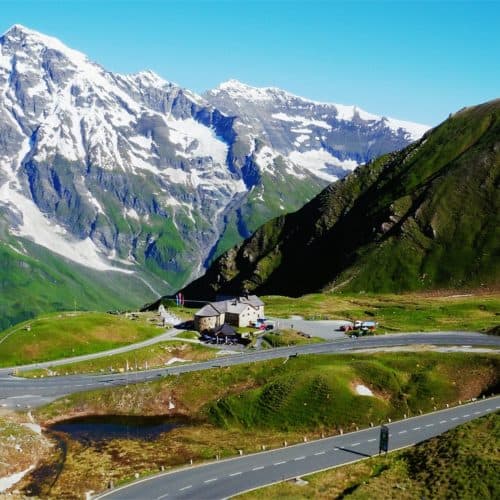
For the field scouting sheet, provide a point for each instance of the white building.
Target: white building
(240, 311)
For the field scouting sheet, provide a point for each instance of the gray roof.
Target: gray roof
(232, 306)
(253, 300)
(212, 309)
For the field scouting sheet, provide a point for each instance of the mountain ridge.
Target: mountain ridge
(134, 175)
(421, 218)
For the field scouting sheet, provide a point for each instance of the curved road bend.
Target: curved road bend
(226, 478)
(20, 392)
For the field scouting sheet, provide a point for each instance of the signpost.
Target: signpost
(384, 439)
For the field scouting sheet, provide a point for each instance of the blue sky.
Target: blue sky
(411, 60)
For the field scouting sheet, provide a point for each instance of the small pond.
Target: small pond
(105, 427)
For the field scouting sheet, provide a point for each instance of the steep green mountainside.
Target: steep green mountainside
(425, 217)
(30, 286)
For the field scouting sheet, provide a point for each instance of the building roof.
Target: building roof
(212, 309)
(232, 306)
(226, 330)
(253, 300)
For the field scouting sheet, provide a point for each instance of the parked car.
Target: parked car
(269, 327)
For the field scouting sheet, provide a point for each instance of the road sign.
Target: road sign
(384, 439)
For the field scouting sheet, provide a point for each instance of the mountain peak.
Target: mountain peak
(274, 96)
(236, 89)
(152, 78)
(39, 41)
(18, 27)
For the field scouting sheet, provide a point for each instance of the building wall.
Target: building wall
(246, 317)
(249, 315)
(202, 323)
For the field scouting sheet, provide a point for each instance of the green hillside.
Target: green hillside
(31, 286)
(425, 217)
(62, 335)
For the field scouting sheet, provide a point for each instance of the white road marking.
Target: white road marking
(477, 412)
(162, 496)
(416, 428)
(443, 421)
(371, 440)
(488, 409)
(402, 432)
(320, 453)
(466, 415)
(258, 468)
(186, 487)
(455, 418)
(210, 480)
(235, 474)
(335, 449)
(280, 463)
(429, 425)
(355, 444)
(299, 458)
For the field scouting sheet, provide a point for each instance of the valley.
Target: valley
(239, 291)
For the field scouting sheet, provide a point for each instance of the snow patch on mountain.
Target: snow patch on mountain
(319, 163)
(197, 139)
(302, 120)
(414, 130)
(38, 228)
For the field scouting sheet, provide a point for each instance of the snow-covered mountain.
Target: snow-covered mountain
(133, 174)
(327, 140)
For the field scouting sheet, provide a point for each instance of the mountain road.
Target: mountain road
(17, 392)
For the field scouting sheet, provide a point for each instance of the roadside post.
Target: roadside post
(384, 439)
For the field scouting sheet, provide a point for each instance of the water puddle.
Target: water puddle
(105, 427)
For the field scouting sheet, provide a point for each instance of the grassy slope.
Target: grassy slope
(425, 217)
(287, 338)
(406, 312)
(271, 395)
(32, 286)
(270, 410)
(145, 358)
(462, 463)
(70, 334)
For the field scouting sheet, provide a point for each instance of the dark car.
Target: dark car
(269, 327)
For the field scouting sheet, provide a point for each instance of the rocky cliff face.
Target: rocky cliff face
(427, 216)
(133, 174)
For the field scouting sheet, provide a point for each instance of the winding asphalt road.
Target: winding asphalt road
(218, 480)
(24, 393)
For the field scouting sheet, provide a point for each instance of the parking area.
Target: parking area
(325, 329)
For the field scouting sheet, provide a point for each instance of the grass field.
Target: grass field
(405, 312)
(462, 463)
(68, 334)
(288, 337)
(145, 358)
